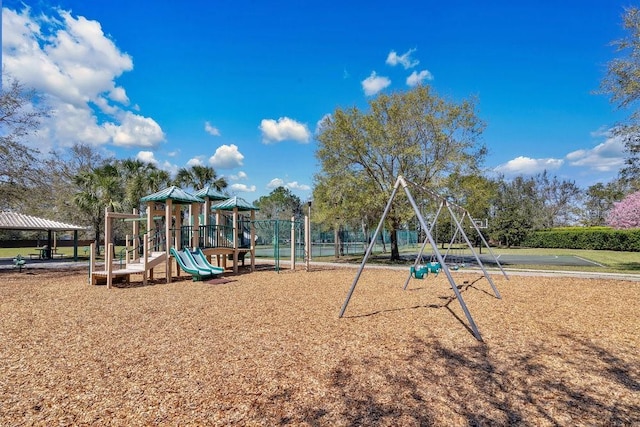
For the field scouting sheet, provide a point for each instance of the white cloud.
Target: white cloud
(211, 130)
(147, 157)
(605, 157)
(528, 166)
(239, 176)
(374, 84)
(226, 157)
(417, 78)
(293, 185)
(195, 161)
(74, 65)
(275, 183)
(243, 188)
(135, 131)
(405, 59)
(283, 129)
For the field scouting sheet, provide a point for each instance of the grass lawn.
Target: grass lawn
(67, 252)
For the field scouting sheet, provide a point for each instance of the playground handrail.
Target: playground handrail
(215, 236)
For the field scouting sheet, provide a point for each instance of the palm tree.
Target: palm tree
(98, 188)
(158, 179)
(198, 177)
(139, 178)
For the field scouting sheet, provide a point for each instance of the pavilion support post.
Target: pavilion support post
(75, 245)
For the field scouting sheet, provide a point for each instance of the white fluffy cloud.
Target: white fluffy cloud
(527, 166)
(147, 157)
(605, 157)
(226, 157)
(293, 185)
(135, 131)
(195, 161)
(283, 129)
(405, 59)
(417, 78)
(74, 64)
(243, 188)
(211, 130)
(239, 176)
(374, 84)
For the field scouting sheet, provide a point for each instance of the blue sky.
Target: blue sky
(242, 85)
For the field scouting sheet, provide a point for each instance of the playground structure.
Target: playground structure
(225, 234)
(458, 215)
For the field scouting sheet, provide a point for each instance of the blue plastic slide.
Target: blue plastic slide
(188, 266)
(200, 259)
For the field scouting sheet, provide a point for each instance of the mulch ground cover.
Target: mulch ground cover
(268, 348)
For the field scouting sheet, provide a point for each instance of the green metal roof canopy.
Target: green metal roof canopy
(176, 194)
(212, 193)
(233, 203)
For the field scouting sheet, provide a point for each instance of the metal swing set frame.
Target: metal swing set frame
(458, 220)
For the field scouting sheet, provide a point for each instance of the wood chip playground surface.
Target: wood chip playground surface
(268, 348)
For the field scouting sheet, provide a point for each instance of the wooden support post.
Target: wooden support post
(107, 231)
(145, 255)
(168, 211)
(235, 240)
(109, 261)
(136, 238)
(195, 225)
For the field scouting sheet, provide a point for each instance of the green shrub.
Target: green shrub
(597, 238)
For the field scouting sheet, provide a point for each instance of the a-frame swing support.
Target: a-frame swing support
(401, 182)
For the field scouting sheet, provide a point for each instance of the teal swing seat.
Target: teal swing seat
(420, 271)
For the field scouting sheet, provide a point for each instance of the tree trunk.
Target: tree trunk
(395, 252)
(97, 237)
(336, 241)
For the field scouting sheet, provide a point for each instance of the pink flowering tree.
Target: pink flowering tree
(626, 213)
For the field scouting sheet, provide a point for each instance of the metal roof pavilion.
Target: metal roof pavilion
(17, 221)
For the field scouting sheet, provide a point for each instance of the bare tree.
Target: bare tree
(21, 111)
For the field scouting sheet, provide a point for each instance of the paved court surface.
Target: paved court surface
(557, 260)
